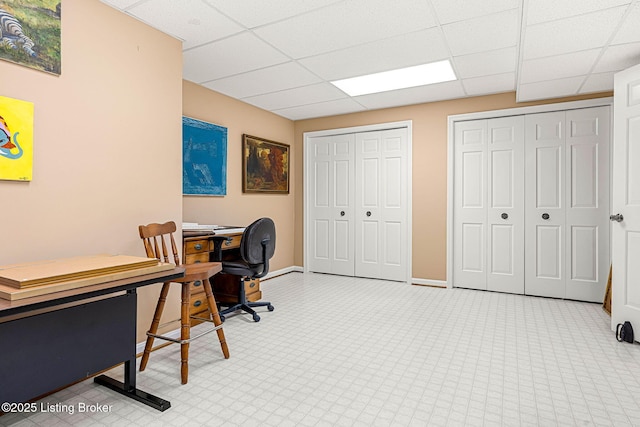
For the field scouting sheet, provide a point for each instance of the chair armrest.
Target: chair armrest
(217, 246)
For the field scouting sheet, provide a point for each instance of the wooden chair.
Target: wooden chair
(155, 237)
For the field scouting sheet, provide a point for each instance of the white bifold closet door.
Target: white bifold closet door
(381, 204)
(331, 204)
(358, 204)
(567, 203)
(489, 204)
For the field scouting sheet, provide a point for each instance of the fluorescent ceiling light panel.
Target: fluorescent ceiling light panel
(418, 75)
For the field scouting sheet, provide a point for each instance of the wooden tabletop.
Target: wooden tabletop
(8, 308)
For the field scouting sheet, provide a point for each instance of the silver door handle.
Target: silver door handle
(616, 217)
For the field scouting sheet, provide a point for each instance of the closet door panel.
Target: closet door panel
(368, 183)
(381, 250)
(505, 207)
(470, 205)
(320, 195)
(587, 202)
(331, 211)
(544, 205)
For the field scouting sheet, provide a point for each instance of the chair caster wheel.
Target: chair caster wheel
(256, 318)
(222, 318)
(270, 307)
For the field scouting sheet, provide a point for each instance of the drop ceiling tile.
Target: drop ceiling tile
(558, 67)
(194, 22)
(628, 31)
(600, 82)
(496, 31)
(459, 10)
(234, 55)
(321, 109)
(401, 51)
(415, 95)
(618, 57)
(538, 11)
(311, 94)
(549, 89)
(253, 13)
(490, 84)
(486, 63)
(345, 24)
(271, 79)
(572, 34)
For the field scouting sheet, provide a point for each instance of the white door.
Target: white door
(489, 204)
(544, 205)
(381, 204)
(331, 204)
(505, 213)
(625, 302)
(470, 205)
(587, 201)
(567, 203)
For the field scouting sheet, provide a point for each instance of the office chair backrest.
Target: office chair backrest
(258, 242)
(155, 237)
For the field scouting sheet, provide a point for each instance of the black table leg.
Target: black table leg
(128, 388)
(133, 393)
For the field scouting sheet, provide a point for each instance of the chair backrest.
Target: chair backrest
(155, 237)
(258, 243)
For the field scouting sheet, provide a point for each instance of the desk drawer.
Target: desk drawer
(196, 287)
(232, 242)
(196, 246)
(196, 258)
(228, 284)
(198, 304)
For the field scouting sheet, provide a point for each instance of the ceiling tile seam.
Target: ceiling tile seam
(578, 15)
(447, 46)
(277, 21)
(321, 102)
(131, 6)
(524, 6)
(228, 36)
(475, 17)
(291, 88)
(247, 72)
(604, 48)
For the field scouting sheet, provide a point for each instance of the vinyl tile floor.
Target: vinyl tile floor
(340, 351)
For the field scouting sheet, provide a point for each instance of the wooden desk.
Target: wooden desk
(199, 247)
(53, 340)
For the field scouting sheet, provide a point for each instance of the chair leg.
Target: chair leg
(153, 329)
(215, 316)
(185, 332)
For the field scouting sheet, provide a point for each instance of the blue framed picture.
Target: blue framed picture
(204, 158)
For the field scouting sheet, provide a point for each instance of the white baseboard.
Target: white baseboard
(287, 270)
(429, 282)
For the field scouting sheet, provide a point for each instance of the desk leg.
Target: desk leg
(128, 388)
(133, 393)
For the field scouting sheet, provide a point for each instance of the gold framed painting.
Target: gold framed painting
(265, 166)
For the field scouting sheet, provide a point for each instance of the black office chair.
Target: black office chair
(257, 247)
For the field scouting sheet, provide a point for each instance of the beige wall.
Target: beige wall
(238, 208)
(429, 169)
(105, 151)
(107, 155)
